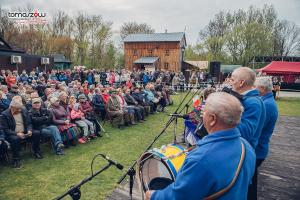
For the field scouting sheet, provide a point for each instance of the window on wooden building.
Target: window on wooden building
(150, 52)
(135, 52)
(167, 52)
(166, 65)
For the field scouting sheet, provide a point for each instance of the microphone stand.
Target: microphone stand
(131, 171)
(175, 130)
(74, 191)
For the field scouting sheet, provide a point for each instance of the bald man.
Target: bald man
(253, 118)
(242, 81)
(213, 164)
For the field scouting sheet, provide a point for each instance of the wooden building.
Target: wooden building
(13, 58)
(156, 51)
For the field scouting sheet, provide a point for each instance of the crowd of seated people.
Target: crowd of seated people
(67, 107)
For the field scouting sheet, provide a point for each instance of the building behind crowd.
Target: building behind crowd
(156, 51)
(13, 58)
(61, 62)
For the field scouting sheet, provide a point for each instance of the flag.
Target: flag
(196, 101)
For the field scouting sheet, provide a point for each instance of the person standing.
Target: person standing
(264, 86)
(206, 171)
(242, 81)
(254, 116)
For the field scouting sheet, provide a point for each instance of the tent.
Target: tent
(289, 70)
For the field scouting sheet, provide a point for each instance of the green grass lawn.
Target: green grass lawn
(289, 106)
(50, 177)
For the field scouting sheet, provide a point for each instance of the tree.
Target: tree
(237, 37)
(95, 23)
(134, 27)
(286, 38)
(82, 27)
(104, 34)
(110, 57)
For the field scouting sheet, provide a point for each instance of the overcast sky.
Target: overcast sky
(173, 15)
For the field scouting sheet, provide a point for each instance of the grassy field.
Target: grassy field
(289, 106)
(50, 177)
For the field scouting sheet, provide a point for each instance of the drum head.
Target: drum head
(154, 173)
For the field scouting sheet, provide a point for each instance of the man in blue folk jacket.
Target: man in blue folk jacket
(264, 85)
(252, 121)
(212, 165)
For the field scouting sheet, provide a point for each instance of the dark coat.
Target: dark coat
(9, 124)
(130, 100)
(40, 118)
(98, 103)
(139, 97)
(4, 104)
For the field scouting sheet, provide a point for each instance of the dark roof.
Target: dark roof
(60, 58)
(4, 46)
(146, 60)
(155, 37)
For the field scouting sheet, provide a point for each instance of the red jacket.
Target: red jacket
(105, 98)
(11, 80)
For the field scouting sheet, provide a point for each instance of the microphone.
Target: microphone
(177, 115)
(118, 165)
(233, 93)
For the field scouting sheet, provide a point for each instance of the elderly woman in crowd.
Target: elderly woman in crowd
(61, 118)
(63, 99)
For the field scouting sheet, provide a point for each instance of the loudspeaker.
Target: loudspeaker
(215, 69)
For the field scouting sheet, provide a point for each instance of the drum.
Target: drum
(158, 168)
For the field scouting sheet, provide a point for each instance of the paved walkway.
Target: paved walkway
(279, 175)
(289, 94)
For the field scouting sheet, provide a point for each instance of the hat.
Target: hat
(36, 100)
(113, 91)
(81, 96)
(53, 100)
